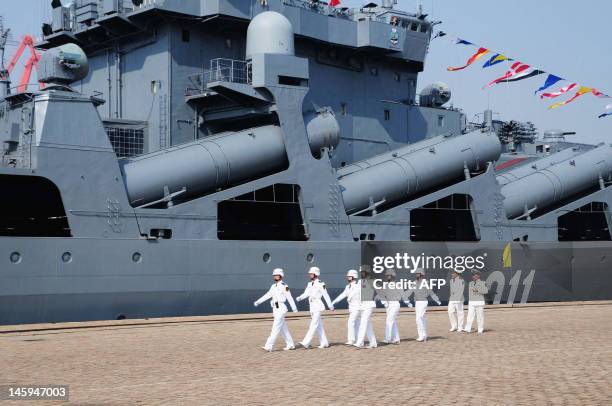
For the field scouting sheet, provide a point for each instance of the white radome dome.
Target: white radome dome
(270, 33)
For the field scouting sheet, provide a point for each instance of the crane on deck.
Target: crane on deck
(27, 42)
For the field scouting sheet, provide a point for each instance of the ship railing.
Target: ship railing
(221, 70)
(318, 6)
(127, 5)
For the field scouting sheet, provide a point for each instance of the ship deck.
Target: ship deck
(532, 354)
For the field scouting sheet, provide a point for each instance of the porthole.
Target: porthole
(310, 257)
(15, 257)
(267, 258)
(137, 257)
(67, 257)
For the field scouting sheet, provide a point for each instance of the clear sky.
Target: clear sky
(568, 38)
(565, 37)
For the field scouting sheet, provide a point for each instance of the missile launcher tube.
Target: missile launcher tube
(532, 167)
(558, 182)
(217, 162)
(415, 168)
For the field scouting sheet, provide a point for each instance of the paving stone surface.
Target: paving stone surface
(552, 355)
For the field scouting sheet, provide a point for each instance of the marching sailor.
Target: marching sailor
(477, 289)
(366, 307)
(390, 299)
(455, 301)
(278, 294)
(314, 291)
(352, 295)
(421, 293)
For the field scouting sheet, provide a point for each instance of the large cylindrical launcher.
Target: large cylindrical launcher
(556, 183)
(523, 170)
(217, 162)
(389, 179)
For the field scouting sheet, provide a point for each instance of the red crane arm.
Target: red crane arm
(25, 77)
(26, 41)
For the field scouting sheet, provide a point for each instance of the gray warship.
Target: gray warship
(181, 150)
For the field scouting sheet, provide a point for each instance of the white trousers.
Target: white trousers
(352, 326)
(391, 330)
(478, 311)
(365, 327)
(420, 308)
(455, 315)
(279, 326)
(316, 326)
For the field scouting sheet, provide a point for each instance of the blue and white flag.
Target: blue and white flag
(608, 113)
(550, 81)
(460, 41)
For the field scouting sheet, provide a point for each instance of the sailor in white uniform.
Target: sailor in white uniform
(278, 294)
(366, 307)
(390, 299)
(455, 301)
(352, 296)
(315, 290)
(421, 294)
(476, 304)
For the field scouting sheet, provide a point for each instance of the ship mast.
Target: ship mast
(5, 82)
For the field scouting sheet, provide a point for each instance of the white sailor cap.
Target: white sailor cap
(278, 271)
(420, 270)
(352, 273)
(389, 272)
(315, 270)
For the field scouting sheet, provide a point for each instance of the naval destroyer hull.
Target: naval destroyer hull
(142, 194)
(189, 278)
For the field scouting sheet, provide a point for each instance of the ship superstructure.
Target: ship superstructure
(182, 145)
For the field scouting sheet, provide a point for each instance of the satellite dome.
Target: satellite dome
(270, 33)
(435, 95)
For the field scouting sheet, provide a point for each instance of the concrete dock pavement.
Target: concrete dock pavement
(553, 354)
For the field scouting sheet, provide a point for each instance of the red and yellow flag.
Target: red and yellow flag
(580, 92)
(481, 52)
